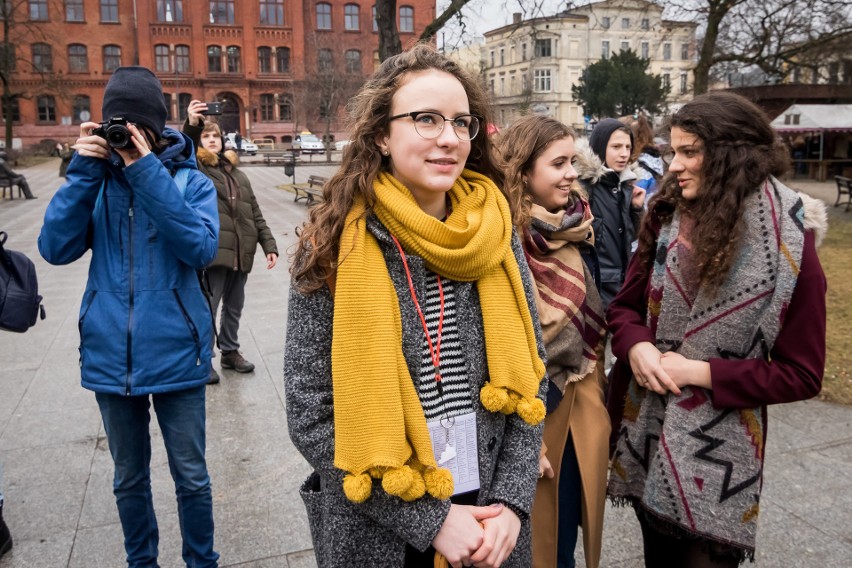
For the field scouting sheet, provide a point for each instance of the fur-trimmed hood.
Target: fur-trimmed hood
(590, 167)
(210, 159)
(816, 217)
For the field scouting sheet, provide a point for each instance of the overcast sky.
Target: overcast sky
(481, 16)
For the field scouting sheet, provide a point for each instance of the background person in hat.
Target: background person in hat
(145, 325)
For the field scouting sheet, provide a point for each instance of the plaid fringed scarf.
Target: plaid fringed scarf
(678, 459)
(569, 306)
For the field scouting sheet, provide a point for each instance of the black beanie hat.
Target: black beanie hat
(136, 94)
(601, 134)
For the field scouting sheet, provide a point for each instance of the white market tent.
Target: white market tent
(815, 120)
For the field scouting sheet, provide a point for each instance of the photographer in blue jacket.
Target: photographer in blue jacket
(145, 325)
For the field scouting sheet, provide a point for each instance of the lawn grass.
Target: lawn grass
(836, 258)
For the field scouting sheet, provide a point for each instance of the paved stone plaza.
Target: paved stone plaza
(58, 471)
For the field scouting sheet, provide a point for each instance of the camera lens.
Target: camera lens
(118, 136)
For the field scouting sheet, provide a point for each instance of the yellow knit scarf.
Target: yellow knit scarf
(380, 428)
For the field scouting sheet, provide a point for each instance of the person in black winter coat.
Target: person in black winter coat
(602, 164)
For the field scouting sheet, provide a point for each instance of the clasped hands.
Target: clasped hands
(478, 536)
(666, 372)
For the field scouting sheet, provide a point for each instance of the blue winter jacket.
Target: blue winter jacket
(145, 325)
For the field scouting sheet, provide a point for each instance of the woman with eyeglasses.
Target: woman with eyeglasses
(413, 364)
(722, 314)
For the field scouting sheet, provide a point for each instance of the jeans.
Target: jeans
(181, 415)
(569, 506)
(228, 287)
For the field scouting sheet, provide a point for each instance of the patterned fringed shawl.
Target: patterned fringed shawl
(695, 467)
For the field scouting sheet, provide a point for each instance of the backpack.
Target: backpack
(20, 303)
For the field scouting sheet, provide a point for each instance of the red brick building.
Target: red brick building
(260, 57)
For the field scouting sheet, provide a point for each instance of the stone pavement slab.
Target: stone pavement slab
(58, 472)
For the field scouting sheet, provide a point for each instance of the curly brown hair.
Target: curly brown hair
(643, 135)
(315, 257)
(520, 146)
(741, 150)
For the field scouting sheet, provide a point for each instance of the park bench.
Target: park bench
(276, 157)
(311, 191)
(844, 187)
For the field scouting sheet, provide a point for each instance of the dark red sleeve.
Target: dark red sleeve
(625, 317)
(797, 358)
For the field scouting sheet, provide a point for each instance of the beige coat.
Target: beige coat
(583, 414)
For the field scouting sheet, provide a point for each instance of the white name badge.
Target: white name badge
(454, 447)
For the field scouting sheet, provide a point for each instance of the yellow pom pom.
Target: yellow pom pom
(417, 489)
(398, 480)
(439, 483)
(493, 398)
(376, 472)
(532, 410)
(357, 487)
(511, 403)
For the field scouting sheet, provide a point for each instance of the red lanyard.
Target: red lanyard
(434, 352)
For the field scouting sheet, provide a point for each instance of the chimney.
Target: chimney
(516, 18)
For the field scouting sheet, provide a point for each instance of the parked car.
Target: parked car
(309, 144)
(247, 146)
(341, 144)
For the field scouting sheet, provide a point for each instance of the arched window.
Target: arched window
(282, 59)
(323, 16)
(182, 59)
(267, 108)
(350, 17)
(325, 60)
(42, 57)
(81, 103)
(46, 105)
(162, 61)
(214, 59)
(183, 103)
(78, 58)
(264, 60)
(285, 108)
(234, 59)
(353, 61)
(112, 58)
(406, 19)
(272, 12)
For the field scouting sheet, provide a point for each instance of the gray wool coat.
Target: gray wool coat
(374, 533)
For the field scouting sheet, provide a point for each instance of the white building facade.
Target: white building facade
(531, 65)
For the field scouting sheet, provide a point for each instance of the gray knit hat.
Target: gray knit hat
(136, 94)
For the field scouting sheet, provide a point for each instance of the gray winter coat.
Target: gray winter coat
(374, 533)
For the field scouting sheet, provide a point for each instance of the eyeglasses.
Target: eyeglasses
(429, 125)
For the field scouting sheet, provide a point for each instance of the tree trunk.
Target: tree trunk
(389, 43)
(718, 10)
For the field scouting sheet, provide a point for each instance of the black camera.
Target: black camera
(115, 132)
(214, 108)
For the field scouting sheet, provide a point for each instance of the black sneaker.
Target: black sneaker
(213, 378)
(234, 360)
(5, 535)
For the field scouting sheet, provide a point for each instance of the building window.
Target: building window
(684, 51)
(167, 99)
(502, 56)
(112, 58)
(46, 106)
(353, 61)
(221, 11)
(282, 59)
(350, 17)
(646, 24)
(644, 53)
(323, 16)
(605, 23)
(38, 10)
(502, 86)
(491, 53)
(542, 48)
(375, 23)
(285, 108)
(182, 59)
(683, 83)
(8, 55)
(541, 80)
(109, 11)
(78, 59)
(523, 52)
(234, 59)
(183, 104)
(162, 61)
(625, 23)
(667, 51)
(524, 83)
(16, 111)
(42, 58)
(605, 49)
(272, 12)
(267, 107)
(264, 60)
(74, 11)
(169, 10)
(214, 59)
(625, 45)
(81, 103)
(491, 86)
(406, 19)
(667, 80)
(325, 60)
